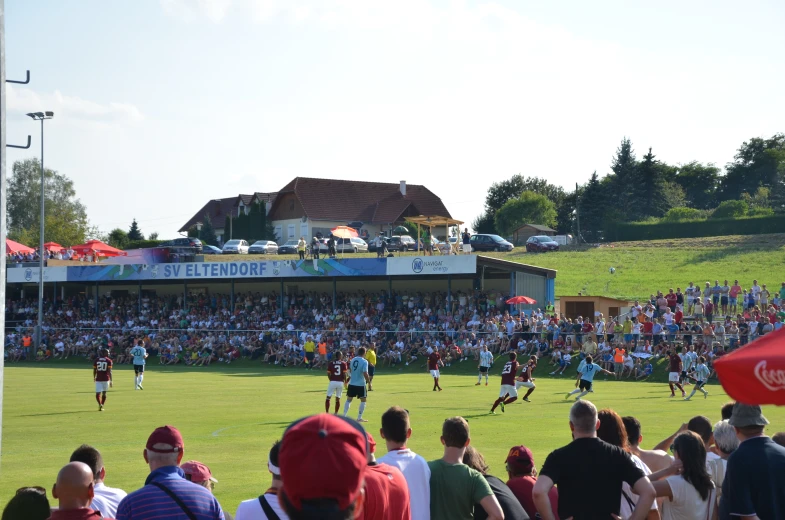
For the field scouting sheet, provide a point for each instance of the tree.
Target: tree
(730, 209)
(565, 214)
(65, 219)
(484, 223)
(591, 210)
(653, 195)
(756, 163)
(118, 238)
(228, 228)
(208, 231)
(134, 233)
(500, 192)
(529, 207)
(624, 168)
(153, 236)
(700, 183)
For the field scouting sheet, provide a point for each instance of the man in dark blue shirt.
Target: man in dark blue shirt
(754, 485)
(166, 493)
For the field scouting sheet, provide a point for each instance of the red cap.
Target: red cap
(327, 449)
(197, 471)
(520, 460)
(166, 435)
(371, 442)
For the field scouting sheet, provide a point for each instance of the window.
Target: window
(290, 231)
(279, 232)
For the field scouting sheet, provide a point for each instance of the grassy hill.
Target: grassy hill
(646, 266)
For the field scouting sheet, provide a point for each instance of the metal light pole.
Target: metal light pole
(41, 116)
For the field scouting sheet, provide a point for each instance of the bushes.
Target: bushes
(681, 214)
(692, 229)
(730, 209)
(143, 244)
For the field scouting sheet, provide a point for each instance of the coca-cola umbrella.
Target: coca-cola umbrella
(755, 373)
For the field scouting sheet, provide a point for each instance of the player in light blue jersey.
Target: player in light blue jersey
(701, 376)
(486, 361)
(585, 378)
(140, 354)
(358, 376)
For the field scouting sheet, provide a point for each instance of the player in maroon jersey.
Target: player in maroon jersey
(102, 376)
(674, 372)
(434, 362)
(508, 394)
(337, 370)
(525, 379)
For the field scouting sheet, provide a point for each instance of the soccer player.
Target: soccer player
(701, 376)
(674, 372)
(586, 372)
(358, 377)
(434, 362)
(508, 393)
(337, 370)
(525, 379)
(102, 376)
(140, 354)
(486, 360)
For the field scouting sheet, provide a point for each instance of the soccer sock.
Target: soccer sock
(582, 394)
(692, 393)
(346, 408)
(479, 378)
(486, 378)
(576, 391)
(510, 400)
(98, 397)
(103, 398)
(528, 393)
(436, 382)
(679, 387)
(673, 391)
(141, 378)
(702, 390)
(496, 403)
(337, 405)
(327, 405)
(362, 409)
(136, 381)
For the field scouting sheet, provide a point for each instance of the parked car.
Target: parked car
(211, 250)
(351, 245)
(323, 247)
(184, 246)
(541, 244)
(402, 243)
(263, 247)
(237, 247)
(289, 248)
(490, 243)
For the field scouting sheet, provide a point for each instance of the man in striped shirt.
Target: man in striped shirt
(166, 493)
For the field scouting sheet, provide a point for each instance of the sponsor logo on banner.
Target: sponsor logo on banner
(28, 274)
(772, 379)
(430, 265)
(417, 265)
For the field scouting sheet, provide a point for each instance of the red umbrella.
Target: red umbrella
(755, 374)
(99, 248)
(53, 246)
(517, 300)
(344, 232)
(12, 247)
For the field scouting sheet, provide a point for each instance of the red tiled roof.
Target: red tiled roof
(330, 199)
(217, 209)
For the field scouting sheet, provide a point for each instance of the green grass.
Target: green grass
(230, 415)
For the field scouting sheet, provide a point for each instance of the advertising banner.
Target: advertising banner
(431, 265)
(30, 274)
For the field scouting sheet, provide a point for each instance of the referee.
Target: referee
(370, 357)
(309, 347)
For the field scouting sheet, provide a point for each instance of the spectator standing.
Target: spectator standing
(201, 475)
(386, 490)
(301, 245)
(754, 485)
(166, 491)
(29, 503)
(266, 506)
(511, 507)
(74, 492)
(522, 475)
(687, 485)
(466, 238)
(105, 499)
(725, 443)
(654, 459)
(396, 431)
(323, 466)
(455, 487)
(589, 473)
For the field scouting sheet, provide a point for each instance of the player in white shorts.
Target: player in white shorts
(337, 370)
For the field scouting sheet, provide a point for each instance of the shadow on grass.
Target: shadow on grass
(739, 245)
(50, 413)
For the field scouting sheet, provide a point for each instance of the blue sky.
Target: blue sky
(161, 105)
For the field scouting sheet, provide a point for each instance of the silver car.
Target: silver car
(263, 247)
(237, 247)
(350, 245)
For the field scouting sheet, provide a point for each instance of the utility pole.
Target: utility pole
(577, 213)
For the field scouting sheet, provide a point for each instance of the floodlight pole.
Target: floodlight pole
(3, 230)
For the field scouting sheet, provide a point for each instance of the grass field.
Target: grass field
(645, 267)
(230, 415)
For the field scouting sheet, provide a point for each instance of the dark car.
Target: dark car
(401, 243)
(490, 243)
(211, 250)
(541, 244)
(184, 246)
(372, 244)
(289, 248)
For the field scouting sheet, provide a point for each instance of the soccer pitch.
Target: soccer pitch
(230, 415)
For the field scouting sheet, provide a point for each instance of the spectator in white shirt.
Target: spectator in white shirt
(258, 508)
(396, 431)
(105, 499)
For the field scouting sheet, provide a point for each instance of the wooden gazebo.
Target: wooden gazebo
(432, 221)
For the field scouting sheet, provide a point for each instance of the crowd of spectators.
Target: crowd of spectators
(328, 467)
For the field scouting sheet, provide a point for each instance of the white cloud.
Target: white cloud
(24, 100)
(189, 10)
